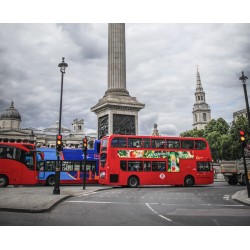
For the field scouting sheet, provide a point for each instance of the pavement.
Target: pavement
(38, 199)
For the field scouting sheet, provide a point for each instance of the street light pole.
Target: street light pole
(56, 190)
(243, 79)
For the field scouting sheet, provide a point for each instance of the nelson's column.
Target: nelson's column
(117, 111)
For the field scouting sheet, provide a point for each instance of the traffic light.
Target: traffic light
(85, 144)
(59, 143)
(242, 138)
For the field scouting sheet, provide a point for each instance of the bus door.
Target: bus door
(41, 169)
(30, 173)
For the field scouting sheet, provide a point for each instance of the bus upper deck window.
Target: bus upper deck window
(119, 142)
(158, 143)
(187, 144)
(134, 142)
(146, 143)
(173, 144)
(200, 145)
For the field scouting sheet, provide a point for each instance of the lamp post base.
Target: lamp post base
(56, 191)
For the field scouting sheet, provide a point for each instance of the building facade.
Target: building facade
(10, 131)
(239, 113)
(201, 110)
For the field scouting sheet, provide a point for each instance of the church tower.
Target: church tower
(201, 110)
(117, 111)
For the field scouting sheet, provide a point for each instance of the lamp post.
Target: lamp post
(56, 190)
(243, 79)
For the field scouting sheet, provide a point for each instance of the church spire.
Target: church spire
(198, 81)
(199, 93)
(201, 110)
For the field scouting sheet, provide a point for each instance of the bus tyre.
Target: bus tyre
(4, 181)
(50, 180)
(133, 181)
(189, 181)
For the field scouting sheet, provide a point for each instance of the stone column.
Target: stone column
(116, 58)
(117, 111)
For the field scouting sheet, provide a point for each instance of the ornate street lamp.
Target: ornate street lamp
(56, 190)
(243, 79)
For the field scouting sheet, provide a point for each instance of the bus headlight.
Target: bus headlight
(102, 175)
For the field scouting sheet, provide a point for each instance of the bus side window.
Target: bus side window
(200, 145)
(158, 143)
(134, 166)
(29, 161)
(158, 166)
(123, 165)
(50, 166)
(77, 166)
(173, 144)
(147, 166)
(187, 144)
(146, 143)
(67, 166)
(134, 143)
(119, 142)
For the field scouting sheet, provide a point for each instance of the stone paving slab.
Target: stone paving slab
(37, 199)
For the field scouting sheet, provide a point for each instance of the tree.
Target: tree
(240, 123)
(223, 138)
(193, 133)
(220, 126)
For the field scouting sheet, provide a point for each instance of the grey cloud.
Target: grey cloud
(161, 71)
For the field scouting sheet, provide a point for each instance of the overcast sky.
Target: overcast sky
(161, 64)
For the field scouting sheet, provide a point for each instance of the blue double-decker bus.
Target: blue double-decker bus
(72, 165)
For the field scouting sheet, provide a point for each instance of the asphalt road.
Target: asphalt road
(147, 206)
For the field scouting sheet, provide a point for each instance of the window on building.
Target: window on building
(204, 117)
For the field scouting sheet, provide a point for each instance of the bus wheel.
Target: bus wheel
(189, 181)
(50, 180)
(133, 181)
(4, 181)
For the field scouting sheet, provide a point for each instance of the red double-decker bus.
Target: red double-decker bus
(18, 164)
(128, 160)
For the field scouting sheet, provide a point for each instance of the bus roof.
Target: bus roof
(154, 137)
(17, 145)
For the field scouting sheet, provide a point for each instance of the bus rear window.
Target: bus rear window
(203, 166)
(119, 142)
